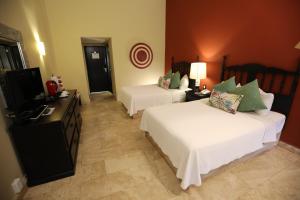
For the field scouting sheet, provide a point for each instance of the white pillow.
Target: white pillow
(184, 82)
(268, 99)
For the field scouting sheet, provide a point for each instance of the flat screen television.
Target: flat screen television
(23, 89)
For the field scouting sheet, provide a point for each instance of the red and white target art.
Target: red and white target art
(141, 55)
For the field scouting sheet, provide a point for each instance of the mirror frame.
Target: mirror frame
(8, 34)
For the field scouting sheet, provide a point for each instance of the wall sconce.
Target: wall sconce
(297, 45)
(41, 48)
(197, 72)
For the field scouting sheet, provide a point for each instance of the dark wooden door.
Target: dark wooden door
(99, 71)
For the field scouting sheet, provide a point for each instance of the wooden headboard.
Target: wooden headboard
(183, 67)
(281, 83)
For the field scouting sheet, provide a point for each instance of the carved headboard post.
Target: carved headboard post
(298, 68)
(295, 82)
(172, 61)
(223, 67)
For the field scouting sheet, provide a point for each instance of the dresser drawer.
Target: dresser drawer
(69, 112)
(74, 146)
(78, 115)
(71, 107)
(70, 129)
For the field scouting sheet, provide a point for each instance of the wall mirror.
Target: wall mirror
(11, 56)
(11, 49)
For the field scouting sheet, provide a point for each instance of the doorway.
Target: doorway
(98, 62)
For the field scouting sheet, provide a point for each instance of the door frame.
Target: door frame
(99, 41)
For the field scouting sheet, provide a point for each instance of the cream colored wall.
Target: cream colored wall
(126, 22)
(27, 16)
(9, 167)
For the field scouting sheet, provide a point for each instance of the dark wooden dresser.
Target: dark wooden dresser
(47, 148)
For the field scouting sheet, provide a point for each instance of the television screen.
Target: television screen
(24, 89)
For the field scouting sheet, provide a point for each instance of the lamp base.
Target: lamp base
(196, 89)
(197, 85)
(192, 84)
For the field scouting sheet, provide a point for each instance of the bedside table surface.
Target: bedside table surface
(191, 96)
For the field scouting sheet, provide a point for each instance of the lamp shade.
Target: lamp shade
(198, 71)
(297, 45)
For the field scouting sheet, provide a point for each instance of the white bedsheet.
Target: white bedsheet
(136, 98)
(273, 122)
(199, 138)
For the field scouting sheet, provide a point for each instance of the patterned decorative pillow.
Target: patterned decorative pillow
(165, 83)
(160, 80)
(225, 101)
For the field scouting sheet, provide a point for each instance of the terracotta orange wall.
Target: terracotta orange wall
(262, 31)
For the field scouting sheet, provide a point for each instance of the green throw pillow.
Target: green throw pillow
(226, 86)
(168, 75)
(175, 81)
(252, 100)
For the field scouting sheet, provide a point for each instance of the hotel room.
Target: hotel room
(149, 99)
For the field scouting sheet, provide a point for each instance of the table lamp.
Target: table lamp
(198, 72)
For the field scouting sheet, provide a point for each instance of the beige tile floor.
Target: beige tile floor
(115, 161)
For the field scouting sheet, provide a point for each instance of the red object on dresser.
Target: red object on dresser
(52, 88)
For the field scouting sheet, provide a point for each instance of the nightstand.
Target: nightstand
(191, 96)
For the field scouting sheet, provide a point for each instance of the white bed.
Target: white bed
(198, 138)
(137, 98)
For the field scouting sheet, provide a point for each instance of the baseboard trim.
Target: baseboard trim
(21, 194)
(289, 147)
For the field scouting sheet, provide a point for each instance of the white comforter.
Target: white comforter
(199, 138)
(136, 98)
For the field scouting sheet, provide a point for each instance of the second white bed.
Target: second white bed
(136, 98)
(198, 138)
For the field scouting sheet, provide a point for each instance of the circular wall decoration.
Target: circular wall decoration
(141, 55)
